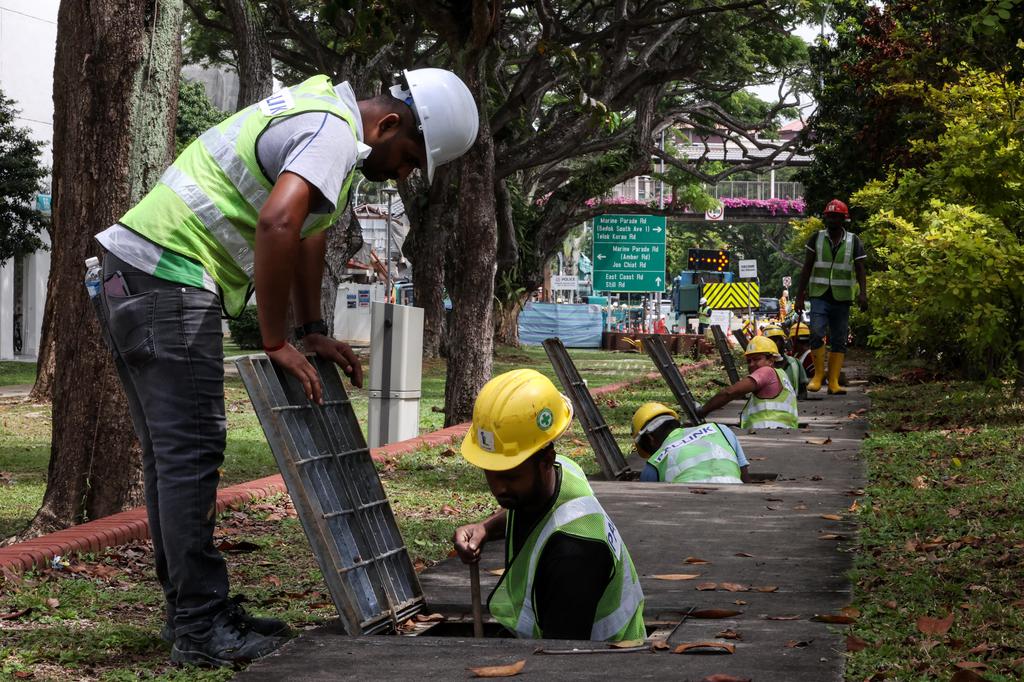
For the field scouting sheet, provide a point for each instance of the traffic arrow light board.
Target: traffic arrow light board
(629, 253)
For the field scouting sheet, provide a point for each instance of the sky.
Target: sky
(770, 93)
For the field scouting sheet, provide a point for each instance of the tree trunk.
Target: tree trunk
(344, 239)
(470, 270)
(42, 391)
(506, 320)
(430, 218)
(255, 73)
(115, 98)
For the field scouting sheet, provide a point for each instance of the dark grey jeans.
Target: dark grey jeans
(832, 320)
(168, 347)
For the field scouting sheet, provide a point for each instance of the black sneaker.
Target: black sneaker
(223, 644)
(268, 627)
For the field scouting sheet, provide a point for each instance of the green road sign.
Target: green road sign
(629, 253)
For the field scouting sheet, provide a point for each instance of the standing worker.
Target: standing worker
(772, 401)
(707, 453)
(787, 363)
(245, 207)
(704, 316)
(568, 574)
(832, 257)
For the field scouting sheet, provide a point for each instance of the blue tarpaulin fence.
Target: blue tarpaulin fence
(578, 326)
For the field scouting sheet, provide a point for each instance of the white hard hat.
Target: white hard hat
(703, 300)
(445, 111)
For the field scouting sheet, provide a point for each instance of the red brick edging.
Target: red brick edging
(130, 525)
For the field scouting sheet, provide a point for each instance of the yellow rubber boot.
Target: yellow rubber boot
(835, 366)
(819, 370)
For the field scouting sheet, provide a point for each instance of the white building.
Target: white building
(28, 40)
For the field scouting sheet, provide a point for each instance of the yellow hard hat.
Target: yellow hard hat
(800, 329)
(643, 416)
(761, 344)
(515, 415)
(774, 330)
(647, 412)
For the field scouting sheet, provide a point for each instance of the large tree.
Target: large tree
(115, 93)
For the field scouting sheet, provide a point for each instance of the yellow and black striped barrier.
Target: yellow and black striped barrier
(732, 295)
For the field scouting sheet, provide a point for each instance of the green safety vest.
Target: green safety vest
(793, 371)
(705, 315)
(699, 454)
(576, 512)
(206, 205)
(772, 413)
(833, 269)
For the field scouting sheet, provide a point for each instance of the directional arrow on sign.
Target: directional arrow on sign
(601, 256)
(657, 280)
(657, 229)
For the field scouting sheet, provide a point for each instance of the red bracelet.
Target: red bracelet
(274, 349)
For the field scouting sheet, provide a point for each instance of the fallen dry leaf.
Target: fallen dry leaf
(919, 483)
(818, 441)
(449, 510)
(851, 611)
(626, 644)
(765, 588)
(980, 649)
(707, 587)
(744, 555)
(855, 643)
(729, 634)
(854, 507)
(676, 576)
(274, 580)
(891, 604)
(734, 587)
(24, 674)
(797, 644)
(782, 617)
(497, 571)
(831, 517)
(429, 618)
(740, 602)
(971, 665)
(705, 648)
(693, 560)
(935, 626)
(53, 602)
(510, 670)
(714, 613)
(659, 645)
(831, 536)
(834, 618)
(237, 547)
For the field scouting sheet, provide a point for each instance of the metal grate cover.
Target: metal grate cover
(606, 448)
(661, 358)
(334, 486)
(723, 350)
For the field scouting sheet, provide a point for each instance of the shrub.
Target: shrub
(245, 330)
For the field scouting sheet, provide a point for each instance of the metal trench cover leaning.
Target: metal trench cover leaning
(326, 465)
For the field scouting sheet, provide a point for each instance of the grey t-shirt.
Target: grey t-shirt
(318, 146)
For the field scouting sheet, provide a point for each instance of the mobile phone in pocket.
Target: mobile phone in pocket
(114, 285)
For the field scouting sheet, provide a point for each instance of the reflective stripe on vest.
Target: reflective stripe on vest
(206, 205)
(793, 371)
(577, 513)
(778, 412)
(697, 455)
(833, 269)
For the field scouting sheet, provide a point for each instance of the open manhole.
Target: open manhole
(463, 628)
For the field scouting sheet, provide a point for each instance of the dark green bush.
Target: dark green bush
(245, 330)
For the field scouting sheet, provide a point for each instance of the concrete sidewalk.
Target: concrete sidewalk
(778, 524)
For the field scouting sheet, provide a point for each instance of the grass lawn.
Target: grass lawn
(941, 535)
(14, 373)
(25, 427)
(98, 618)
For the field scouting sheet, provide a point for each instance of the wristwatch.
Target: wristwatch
(314, 327)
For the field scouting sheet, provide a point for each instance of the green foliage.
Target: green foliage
(245, 329)
(196, 114)
(949, 236)
(21, 177)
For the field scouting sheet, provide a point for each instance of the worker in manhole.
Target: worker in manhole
(708, 453)
(772, 401)
(568, 574)
(800, 340)
(833, 257)
(787, 363)
(246, 206)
